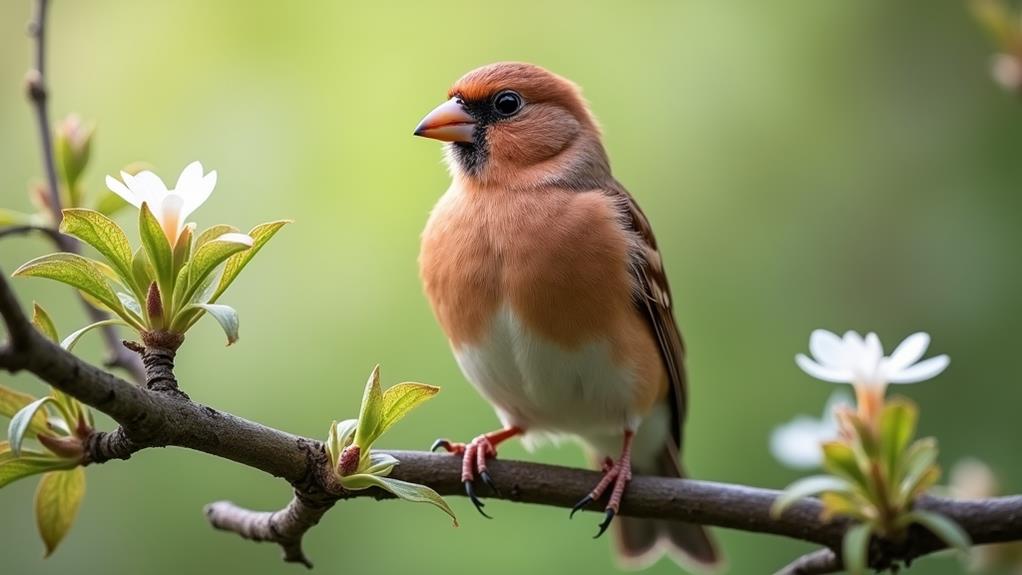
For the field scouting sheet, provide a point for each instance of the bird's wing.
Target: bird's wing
(654, 302)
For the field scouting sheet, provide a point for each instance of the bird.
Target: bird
(545, 276)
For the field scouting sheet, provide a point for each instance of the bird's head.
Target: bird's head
(518, 125)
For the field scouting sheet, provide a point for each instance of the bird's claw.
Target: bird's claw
(473, 464)
(485, 476)
(607, 518)
(471, 492)
(616, 475)
(581, 503)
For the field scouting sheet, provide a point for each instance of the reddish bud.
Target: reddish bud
(154, 305)
(69, 447)
(348, 464)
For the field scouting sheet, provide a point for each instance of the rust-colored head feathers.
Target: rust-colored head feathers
(517, 123)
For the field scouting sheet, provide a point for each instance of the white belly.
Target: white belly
(539, 386)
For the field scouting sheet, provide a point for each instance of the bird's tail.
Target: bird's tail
(641, 542)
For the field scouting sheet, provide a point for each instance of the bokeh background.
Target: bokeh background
(847, 165)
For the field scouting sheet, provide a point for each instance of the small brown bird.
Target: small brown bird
(545, 276)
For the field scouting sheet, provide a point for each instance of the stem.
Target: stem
(38, 95)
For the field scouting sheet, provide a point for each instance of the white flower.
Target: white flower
(855, 360)
(861, 362)
(797, 443)
(171, 207)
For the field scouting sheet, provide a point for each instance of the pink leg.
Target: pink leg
(618, 474)
(473, 459)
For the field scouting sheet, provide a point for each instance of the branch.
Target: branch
(28, 229)
(815, 563)
(38, 95)
(160, 415)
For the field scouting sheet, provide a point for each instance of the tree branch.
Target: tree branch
(815, 563)
(160, 415)
(38, 95)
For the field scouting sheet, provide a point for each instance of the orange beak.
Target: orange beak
(448, 122)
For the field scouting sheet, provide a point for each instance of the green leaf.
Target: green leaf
(57, 500)
(72, 340)
(331, 445)
(213, 233)
(370, 413)
(200, 294)
(14, 469)
(110, 203)
(42, 322)
(130, 303)
(7, 455)
(142, 271)
(897, 426)
(928, 479)
(919, 458)
(402, 489)
(380, 464)
(76, 271)
(157, 248)
(224, 315)
(947, 530)
(183, 247)
(21, 423)
(103, 234)
(12, 401)
(72, 143)
(260, 235)
(338, 438)
(847, 504)
(840, 459)
(401, 399)
(212, 254)
(864, 438)
(807, 487)
(855, 548)
(346, 433)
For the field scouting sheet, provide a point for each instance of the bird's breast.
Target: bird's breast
(535, 292)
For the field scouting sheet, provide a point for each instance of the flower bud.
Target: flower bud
(72, 145)
(154, 306)
(68, 447)
(348, 463)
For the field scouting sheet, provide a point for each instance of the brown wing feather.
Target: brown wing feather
(656, 305)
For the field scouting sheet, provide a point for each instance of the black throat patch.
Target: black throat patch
(471, 156)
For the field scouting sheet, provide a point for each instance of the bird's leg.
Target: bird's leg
(473, 459)
(618, 473)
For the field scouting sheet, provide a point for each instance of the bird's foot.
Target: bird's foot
(618, 474)
(474, 455)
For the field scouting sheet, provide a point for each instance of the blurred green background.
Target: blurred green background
(847, 165)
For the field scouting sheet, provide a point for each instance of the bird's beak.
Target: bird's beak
(448, 122)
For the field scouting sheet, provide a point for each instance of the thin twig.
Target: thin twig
(38, 95)
(818, 562)
(28, 229)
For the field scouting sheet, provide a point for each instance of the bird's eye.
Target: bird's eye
(507, 103)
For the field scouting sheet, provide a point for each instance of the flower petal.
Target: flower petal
(118, 187)
(921, 371)
(825, 347)
(908, 351)
(171, 219)
(237, 238)
(822, 372)
(797, 443)
(197, 194)
(190, 177)
(149, 187)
